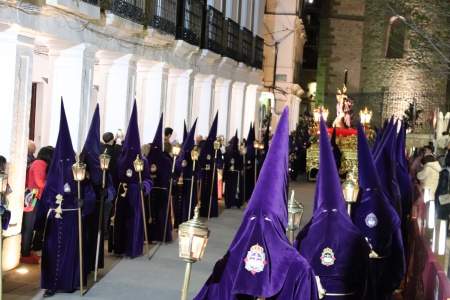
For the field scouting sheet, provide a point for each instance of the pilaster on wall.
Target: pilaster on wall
(151, 94)
(251, 103)
(179, 101)
(237, 107)
(65, 67)
(221, 104)
(203, 102)
(117, 74)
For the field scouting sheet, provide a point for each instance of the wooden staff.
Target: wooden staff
(216, 147)
(139, 166)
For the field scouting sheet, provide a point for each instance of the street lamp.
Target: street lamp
(176, 150)
(79, 172)
(104, 164)
(295, 213)
(3, 191)
(194, 157)
(193, 237)
(139, 167)
(350, 189)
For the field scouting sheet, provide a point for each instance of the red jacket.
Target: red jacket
(36, 176)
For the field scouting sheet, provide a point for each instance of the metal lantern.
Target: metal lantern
(316, 113)
(350, 189)
(194, 154)
(261, 146)
(365, 116)
(3, 182)
(325, 114)
(79, 170)
(216, 145)
(295, 213)
(104, 160)
(193, 237)
(176, 150)
(138, 164)
(256, 144)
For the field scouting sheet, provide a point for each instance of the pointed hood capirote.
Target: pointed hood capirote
(328, 189)
(131, 148)
(260, 256)
(249, 142)
(188, 145)
(374, 216)
(208, 145)
(333, 246)
(91, 149)
(60, 176)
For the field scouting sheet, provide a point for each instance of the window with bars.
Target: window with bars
(129, 9)
(214, 30)
(259, 48)
(246, 47)
(190, 29)
(232, 44)
(162, 15)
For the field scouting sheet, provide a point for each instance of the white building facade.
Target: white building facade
(187, 59)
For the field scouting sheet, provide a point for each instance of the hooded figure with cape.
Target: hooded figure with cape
(127, 227)
(161, 173)
(250, 163)
(207, 158)
(333, 246)
(184, 165)
(379, 223)
(232, 176)
(57, 217)
(91, 157)
(260, 261)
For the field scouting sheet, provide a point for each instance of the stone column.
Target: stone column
(16, 59)
(236, 108)
(251, 107)
(151, 95)
(179, 101)
(117, 75)
(202, 107)
(221, 104)
(294, 109)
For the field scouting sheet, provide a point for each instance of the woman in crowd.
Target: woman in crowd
(35, 182)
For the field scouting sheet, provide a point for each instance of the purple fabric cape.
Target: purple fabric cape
(128, 229)
(379, 223)
(260, 259)
(207, 158)
(60, 254)
(156, 208)
(333, 246)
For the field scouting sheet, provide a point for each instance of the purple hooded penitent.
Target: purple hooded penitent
(160, 164)
(210, 161)
(260, 261)
(185, 164)
(379, 223)
(333, 246)
(232, 176)
(127, 234)
(250, 163)
(57, 216)
(385, 163)
(90, 156)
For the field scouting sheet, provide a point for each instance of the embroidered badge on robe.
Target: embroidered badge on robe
(371, 220)
(327, 257)
(58, 210)
(255, 260)
(67, 188)
(184, 163)
(129, 173)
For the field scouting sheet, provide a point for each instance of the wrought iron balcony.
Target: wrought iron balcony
(162, 15)
(190, 25)
(232, 40)
(212, 38)
(245, 48)
(132, 10)
(258, 56)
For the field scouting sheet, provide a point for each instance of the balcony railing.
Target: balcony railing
(189, 29)
(246, 46)
(212, 39)
(162, 15)
(231, 39)
(259, 49)
(132, 10)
